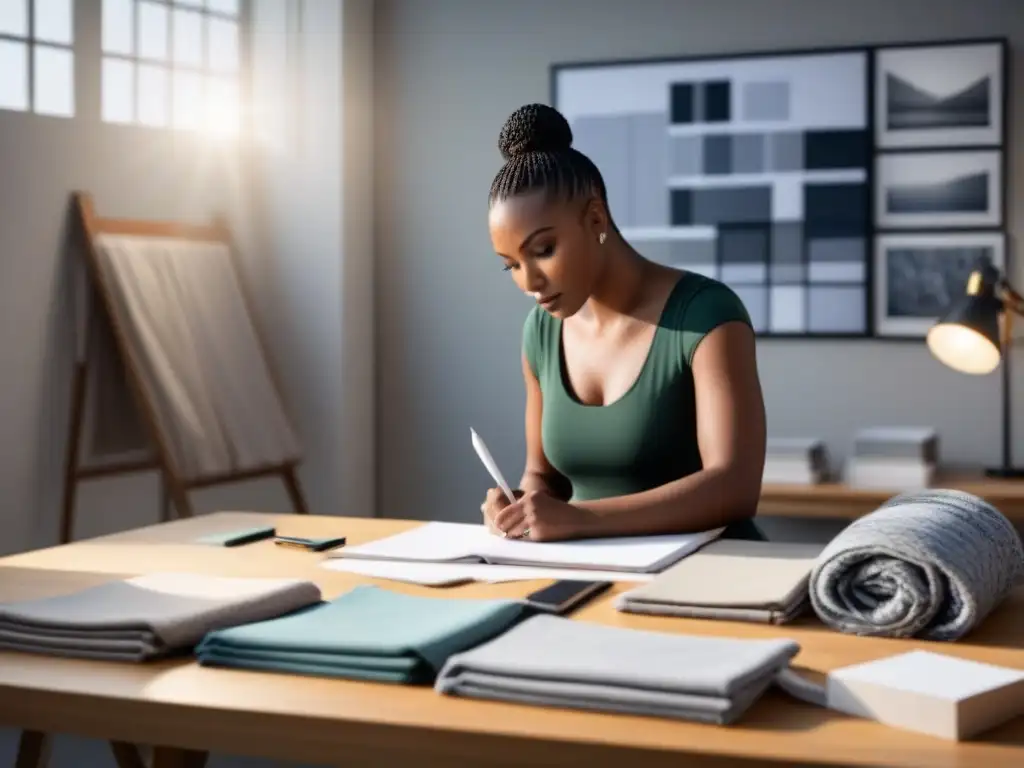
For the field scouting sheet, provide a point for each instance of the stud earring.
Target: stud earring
(601, 238)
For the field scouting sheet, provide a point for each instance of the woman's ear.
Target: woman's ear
(596, 220)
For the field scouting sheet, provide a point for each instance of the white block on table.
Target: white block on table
(929, 693)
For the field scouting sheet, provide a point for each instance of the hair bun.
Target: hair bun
(534, 128)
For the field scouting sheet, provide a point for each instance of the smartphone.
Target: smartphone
(313, 545)
(565, 595)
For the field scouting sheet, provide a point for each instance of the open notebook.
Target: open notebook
(438, 542)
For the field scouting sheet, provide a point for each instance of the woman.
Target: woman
(644, 412)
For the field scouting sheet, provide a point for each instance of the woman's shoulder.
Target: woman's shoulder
(537, 322)
(698, 305)
(698, 294)
(536, 334)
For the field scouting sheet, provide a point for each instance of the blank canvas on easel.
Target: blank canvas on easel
(197, 354)
(172, 372)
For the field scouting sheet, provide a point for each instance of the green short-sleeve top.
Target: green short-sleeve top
(648, 437)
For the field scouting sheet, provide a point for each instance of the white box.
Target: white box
(929, 693)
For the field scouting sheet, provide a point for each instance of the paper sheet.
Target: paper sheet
(443, 541)
(440, 574)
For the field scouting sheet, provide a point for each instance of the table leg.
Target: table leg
(127, 755)
(33, 750)
(169, 757)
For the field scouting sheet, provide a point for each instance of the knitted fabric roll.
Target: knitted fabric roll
(930, 564)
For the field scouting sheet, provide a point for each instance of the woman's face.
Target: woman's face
(551, 248)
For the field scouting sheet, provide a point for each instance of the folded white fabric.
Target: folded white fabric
(147, 616)
(554, 661)
(731, 580)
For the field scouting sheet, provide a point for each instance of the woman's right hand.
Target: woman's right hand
(494, 502)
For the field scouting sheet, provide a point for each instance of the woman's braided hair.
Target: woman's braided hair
(536, 142)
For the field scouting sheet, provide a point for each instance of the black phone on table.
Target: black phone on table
(565, 595)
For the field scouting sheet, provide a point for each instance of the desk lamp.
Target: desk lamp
(971, 339)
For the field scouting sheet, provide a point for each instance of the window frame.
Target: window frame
(171, 67)
(31, 43)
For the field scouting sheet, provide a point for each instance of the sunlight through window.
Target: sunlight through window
(172, 63)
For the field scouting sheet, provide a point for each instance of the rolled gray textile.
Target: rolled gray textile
(930, 564)
(146, 617)
(558, 662)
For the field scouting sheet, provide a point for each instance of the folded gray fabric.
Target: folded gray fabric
(930, 564)
(730, 580)
(147, 616)
(559, 662)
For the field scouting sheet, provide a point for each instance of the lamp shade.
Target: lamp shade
(967, 337)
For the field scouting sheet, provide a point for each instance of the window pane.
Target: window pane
(53, 22)
(14, 17)
(223, 6)
(54, 83)
(152, 95)
(118, 26)
(188, 99)
(222, 41)
(222, 113)
(188, 37)
(153, 29)
(118, 91)
(14, 83)
(190, 3)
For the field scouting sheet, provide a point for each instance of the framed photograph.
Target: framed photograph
(940, 95)
(935, 190)
(918, 276)
(753, 169)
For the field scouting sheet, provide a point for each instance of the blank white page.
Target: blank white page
(438, 542)
(430, 542)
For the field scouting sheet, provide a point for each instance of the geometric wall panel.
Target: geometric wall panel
(753, 170)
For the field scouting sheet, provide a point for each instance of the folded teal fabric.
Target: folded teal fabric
(367, 633)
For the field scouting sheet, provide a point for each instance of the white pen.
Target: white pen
(485, 457)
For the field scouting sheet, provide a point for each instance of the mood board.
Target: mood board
(839, 192)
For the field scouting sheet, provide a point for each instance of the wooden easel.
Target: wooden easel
(175, 488)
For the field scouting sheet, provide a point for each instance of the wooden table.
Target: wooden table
(843, 502)
(186, 710)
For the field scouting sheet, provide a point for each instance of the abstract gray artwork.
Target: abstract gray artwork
(752, 170)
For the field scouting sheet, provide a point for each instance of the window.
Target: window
(172, 64)
(36, 57)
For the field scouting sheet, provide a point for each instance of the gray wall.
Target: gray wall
(132, 172)
(448, 73)
(299, 203)
(308, 261)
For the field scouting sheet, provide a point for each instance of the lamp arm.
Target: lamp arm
(1010, 298)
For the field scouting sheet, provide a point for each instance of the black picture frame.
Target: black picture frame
(952, 145)
(871, 231)
(946, 257)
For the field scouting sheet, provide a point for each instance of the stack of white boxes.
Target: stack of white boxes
(893, 458)
(796, 460)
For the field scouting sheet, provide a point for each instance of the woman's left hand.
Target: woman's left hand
(539, 516)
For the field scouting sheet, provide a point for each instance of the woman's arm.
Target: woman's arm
(731, 432)
(538, 474)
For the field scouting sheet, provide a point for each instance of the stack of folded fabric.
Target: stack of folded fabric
(731, 580)
(559, 662)
(146, 617)
(367, 634)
